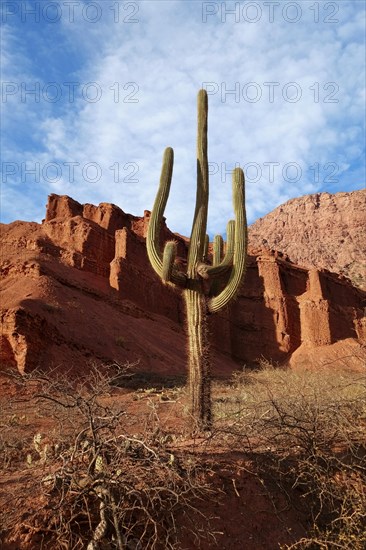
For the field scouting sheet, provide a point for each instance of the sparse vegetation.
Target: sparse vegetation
(102, 483)
(107, 476)
(307, 431)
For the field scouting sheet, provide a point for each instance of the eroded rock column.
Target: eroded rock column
(315, 313)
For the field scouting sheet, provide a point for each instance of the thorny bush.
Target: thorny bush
(104, 487)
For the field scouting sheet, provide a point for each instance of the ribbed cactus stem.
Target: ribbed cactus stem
(199, 381)
(156, 220)
(229, 249)
(198, 377)
(218, 247)
(198, 234)
(170, 252)
(215, 271)
(240, 246)
(207, 244)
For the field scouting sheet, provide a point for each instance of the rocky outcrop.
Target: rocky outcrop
(22, 338)
(79, 288)
(283, 307)
(322, 230)
(134, 279)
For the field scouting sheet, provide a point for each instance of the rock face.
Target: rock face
(320, 230)
(79, 288)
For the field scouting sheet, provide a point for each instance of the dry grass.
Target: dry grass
(307, 431)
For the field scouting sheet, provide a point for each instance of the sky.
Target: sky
(92, 93)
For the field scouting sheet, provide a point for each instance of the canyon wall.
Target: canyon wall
(79, 287)
(322, 230)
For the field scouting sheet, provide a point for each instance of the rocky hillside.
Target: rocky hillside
(321, 230)
(79, 288)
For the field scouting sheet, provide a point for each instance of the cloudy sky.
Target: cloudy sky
(93, 91)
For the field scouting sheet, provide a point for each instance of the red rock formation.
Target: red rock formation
(62, 207)
(132, 276)
(283, 307)
(79, 287)
(321, 230)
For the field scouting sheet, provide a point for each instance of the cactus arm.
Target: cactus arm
(198, 234)
(227, 261)
(205, 251)
(217, 250)
(156, 219)
(170, 252)
(240, 245)
(229, 249)
(153, 233)
(216, 284)
(214, 271)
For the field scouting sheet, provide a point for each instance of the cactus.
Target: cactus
(203, 285)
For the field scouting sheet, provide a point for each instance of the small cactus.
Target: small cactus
(203, 285)
(40, 447)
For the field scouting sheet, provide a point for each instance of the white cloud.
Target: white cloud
(165, 58)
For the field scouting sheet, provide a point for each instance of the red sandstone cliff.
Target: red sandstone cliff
(79, 288)
(320, 230)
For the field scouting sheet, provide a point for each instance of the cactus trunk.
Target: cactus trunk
(199, 379)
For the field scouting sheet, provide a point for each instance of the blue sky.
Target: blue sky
(93, 91)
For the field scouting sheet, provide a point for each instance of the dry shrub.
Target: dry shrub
(101, 486)
(307, 431)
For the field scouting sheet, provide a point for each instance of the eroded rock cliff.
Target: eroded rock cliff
(321, 230)
(78, 288)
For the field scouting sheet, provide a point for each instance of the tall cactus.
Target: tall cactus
(202, 284)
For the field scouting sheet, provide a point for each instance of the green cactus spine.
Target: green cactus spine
(204, 290)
